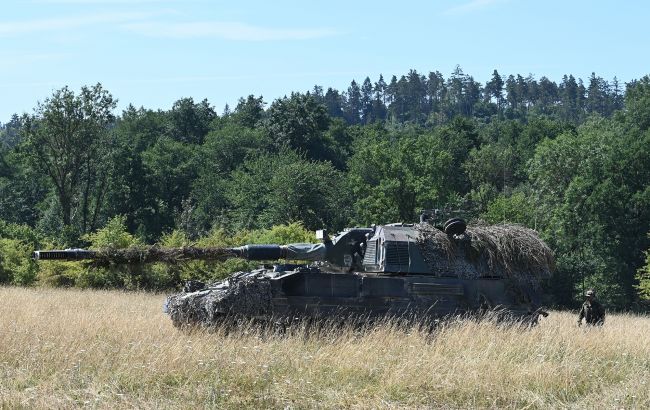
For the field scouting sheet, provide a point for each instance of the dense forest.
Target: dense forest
(569, 159)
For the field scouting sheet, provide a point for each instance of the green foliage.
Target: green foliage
(83, 274)
(166, 276)
(500, 163)
(225, 149)
(593, 187)
(394, 176)
(294, 232)
(643, 277)
(113, 236)
(492, 164)
(68, 140)
(280, 188)
(130, 188)
(15, 265)
(517, 208)
(190, 122)
(299, 122)
(59, 274)
(587, 268)
(171, 168)
(249, 112)
(637, 103)
(21, 188)
(19, 232)
(457, 138)
(17, 242)
(228, 146)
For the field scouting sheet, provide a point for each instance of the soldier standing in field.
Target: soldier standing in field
(592, 311)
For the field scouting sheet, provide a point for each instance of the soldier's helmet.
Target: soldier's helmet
(590, 293)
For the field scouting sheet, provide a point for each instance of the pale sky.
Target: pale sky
(153, 52)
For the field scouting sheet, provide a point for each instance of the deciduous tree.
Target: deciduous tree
(68, 139)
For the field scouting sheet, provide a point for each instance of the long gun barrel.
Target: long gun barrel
(173, 255)
(64, 254)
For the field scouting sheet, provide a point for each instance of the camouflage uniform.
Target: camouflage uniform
(592, 311)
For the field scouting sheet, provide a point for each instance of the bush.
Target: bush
(282, 235)
(16, 266)
(59, 274)
(517, 208)
(163, 275)
(16, 245)
(113, 236)
(643, 278)
(83, 274)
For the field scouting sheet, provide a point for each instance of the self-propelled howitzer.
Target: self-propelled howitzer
(396, 270)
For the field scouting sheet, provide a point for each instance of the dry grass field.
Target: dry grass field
(108, 349)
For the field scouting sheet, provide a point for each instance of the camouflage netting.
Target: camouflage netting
(504, 250)
(148, 254)
(246, 296)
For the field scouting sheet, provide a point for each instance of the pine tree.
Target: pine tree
(494, 88)
(391, 90)
(569, 98)
(380, 89)
(379, 109)
(435, 91)
(596, 95)
(317, 93)
(416, 96)
(512, 93)
(471, 95)
(334, 103)
(352, 109)
(454, 98)
(533, 90)
(547, 95)
(366, 102)
(617, 97)
(522, 92)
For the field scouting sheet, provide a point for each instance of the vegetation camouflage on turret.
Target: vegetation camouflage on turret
(505, 250)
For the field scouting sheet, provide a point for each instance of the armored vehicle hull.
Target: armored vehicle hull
(282, 296)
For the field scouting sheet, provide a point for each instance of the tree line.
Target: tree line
(571, 160)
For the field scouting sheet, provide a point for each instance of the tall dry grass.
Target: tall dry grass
(107, 349)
